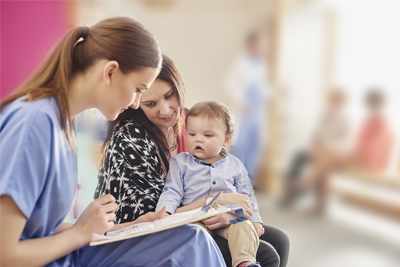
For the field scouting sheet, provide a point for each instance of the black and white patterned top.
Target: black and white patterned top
(132, 166)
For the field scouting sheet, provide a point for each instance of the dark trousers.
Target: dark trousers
(272, 252)
(299, 162)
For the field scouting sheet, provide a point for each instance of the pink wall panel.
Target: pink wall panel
(29, 29)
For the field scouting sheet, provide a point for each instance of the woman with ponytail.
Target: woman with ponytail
(107, 67)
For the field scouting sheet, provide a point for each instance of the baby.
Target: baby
(208, 169)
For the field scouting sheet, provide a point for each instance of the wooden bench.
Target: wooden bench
(375, 192)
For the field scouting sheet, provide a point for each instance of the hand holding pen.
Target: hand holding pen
(98, 217)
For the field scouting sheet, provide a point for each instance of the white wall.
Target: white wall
(369, 54)
(202, 37)
(302, 68)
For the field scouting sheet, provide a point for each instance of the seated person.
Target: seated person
(38, 155)
(138, 148)
(329, 144)
(208, 169)
(375, 140)
(370, 154)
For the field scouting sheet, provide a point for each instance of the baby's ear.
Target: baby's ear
(228, 139)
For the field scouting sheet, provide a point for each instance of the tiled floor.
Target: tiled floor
(346, 236)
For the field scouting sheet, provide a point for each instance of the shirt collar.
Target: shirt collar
(223, 154)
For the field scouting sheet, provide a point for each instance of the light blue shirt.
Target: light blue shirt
(189, 179)
(38, 168)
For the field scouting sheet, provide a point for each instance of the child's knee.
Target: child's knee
(248, 225)
(245, 227)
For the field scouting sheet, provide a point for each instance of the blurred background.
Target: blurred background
(316, 80)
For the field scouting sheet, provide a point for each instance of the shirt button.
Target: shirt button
(214, 182)
(212, 166)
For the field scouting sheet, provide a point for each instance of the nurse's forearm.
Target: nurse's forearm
(31, 252)
(42, 251)
(62, 227)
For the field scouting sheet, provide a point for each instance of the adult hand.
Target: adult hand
(97, 218)
(218, 221)
(152, 216)
(238, 200)
(259, 228)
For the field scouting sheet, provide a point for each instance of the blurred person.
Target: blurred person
(330, 141)
(370, 154)
(375, 140)
(208, 169)
(140, 143)
(38, 174)
(247, 88)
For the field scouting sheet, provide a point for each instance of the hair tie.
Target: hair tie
(85, 32)
(84, 35)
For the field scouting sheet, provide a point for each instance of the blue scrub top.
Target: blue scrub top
(38, 167)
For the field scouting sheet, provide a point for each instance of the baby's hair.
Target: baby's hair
(213, 110)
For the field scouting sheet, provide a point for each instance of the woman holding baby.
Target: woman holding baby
(138, 147)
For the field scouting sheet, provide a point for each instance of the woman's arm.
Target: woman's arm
(135, 174)
(238, 200)
(63, 226)
(97, 218)
(219, 221)
(223, 220)
(199, 203)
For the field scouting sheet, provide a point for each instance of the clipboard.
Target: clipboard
(169, 222)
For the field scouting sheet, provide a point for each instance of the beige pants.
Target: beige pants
(242, 240)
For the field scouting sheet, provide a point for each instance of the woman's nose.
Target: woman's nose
(136, 101)
(164, 108)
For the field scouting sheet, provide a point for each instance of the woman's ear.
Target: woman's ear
(228, 139)
(109, 71)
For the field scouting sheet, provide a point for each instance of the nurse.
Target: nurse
(107, 67)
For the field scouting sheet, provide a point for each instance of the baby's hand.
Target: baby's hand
(152, 216)
(259, 228)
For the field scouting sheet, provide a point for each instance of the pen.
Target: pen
(108, 187)
(212, 203)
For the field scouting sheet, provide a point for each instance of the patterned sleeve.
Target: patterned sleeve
(132, 166)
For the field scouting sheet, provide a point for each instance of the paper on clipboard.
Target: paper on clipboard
(172, 221)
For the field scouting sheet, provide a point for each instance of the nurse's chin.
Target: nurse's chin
(112, 117)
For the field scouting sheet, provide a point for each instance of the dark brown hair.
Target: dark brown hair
(213, 110)
(170, 74)
(121, 39)
(374, 98)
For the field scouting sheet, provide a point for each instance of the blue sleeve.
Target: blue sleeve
(25, 145)
(244, 186)
(172, 194)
